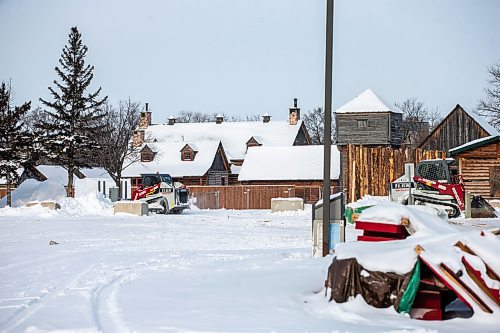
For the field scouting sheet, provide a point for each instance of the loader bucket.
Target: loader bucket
(480, 208)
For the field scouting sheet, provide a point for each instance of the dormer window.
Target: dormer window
(254, 141)
(147, 155)
(188, 152)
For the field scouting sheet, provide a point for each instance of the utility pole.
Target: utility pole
(328, 127)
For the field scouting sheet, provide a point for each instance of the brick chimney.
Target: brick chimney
(294, 113)
(266, 118)
(145, 120)
(138, 138)
(171, 120)
(219, 119)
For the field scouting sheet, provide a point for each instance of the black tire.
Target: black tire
(164, 204)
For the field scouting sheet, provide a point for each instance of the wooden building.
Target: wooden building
(298, 167)
(235, 138)
(367, 120)
(191, 163)
(479, 164)
(457, 128)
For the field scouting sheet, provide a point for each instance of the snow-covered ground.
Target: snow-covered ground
(201, 271)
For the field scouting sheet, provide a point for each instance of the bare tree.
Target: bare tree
(199, 117)
(489, 107)
(117, 151)
(417, 121)
(314, 121)
(434, 118)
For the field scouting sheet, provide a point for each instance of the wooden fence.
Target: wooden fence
(250, 196)
(370, 170)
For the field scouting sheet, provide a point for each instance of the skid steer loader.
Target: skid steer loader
(437, 184)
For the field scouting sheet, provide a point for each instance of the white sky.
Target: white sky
(254, 56)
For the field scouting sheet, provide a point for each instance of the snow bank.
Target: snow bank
(33, 190)
(93, 203)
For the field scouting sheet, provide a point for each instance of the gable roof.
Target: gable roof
(475, 144)
(481, 122)
(233, 135)
(168, 160)
(367, 101)
(288, 163)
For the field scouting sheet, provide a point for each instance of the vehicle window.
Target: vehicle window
(166, 179)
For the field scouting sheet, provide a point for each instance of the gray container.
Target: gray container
(113, 194)
(337, 223)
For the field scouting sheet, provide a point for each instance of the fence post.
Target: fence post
(468, 201)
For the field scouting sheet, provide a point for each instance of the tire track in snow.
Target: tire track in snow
(37, 303)
(105, 311)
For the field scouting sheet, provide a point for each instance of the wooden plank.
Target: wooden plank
(476, 277)
(472, 294)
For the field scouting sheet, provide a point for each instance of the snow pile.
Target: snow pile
(93, 203)
(429, 228)
(33, 190)
(425, 221)
(368, 200)
(33, 211)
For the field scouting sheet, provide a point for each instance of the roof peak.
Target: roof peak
(367, 101)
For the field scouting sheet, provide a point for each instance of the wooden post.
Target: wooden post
(9, 194)
(468, 201)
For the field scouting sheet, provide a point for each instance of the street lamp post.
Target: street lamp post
(328, 127)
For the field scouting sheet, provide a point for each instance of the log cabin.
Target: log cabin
(479, 165)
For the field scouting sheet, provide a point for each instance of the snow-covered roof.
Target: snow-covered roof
(234, 135)
(168, 160)
(475, 144)
(59, 174)
(288, 163)
(367, 101)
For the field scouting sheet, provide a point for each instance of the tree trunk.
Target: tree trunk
(69, 189)
(9, 195)
(118, 182)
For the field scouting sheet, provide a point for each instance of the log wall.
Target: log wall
(479, 168)
(370, 170)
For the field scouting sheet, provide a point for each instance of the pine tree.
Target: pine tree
(15, 141)
(74, 119)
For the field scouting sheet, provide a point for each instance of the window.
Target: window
(186, 155)
(362, 123)
(146, 156)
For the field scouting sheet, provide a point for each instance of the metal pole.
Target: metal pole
(328, 127)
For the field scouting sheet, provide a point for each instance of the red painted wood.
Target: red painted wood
(380, 227)
(374, 239)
